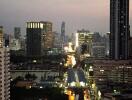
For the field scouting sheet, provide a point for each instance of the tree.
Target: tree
(19, 78)
(28, 76)
(34, 77)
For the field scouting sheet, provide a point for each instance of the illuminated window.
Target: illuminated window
(41, 25)
(31, 25)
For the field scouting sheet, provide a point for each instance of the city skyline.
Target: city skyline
(92, 15)
(65, 50)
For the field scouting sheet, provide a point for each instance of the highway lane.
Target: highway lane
(76, 75)
(71, 75)
(81, 75)
(80, 89)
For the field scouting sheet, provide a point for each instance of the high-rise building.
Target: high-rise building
(107, 43)
(47, 35)
(34, 38)
(84, 40)
(39, 37)
(4, 74)
(23, 43)
(4, 70)
(6, 40)
(17, 32)
(57, 41)
(119, 29)
(130, 48)
(1, 36)
(63, 33)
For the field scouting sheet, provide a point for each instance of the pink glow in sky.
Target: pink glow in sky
(78, 14)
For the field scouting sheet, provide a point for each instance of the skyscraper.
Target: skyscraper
(4, 69)
(119, 29)
(34, 34)
(47, 35)
(17, 32)
(39, 37)
(63, 33)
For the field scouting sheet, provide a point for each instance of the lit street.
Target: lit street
(77, 84)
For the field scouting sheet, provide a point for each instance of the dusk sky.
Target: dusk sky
(92, 15)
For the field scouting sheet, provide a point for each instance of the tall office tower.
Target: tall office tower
(17, 32)
(4, 70)
(39, 37)
(119, 29)
(47, 35)
(63, 33)
(57, 41)
(34, 38)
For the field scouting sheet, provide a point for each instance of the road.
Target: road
(77, 84)
(76, 75)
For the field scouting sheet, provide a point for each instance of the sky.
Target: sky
(91, 15)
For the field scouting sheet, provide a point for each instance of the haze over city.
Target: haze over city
(65, 50)
(88, 14)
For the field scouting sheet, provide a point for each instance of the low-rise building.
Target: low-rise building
(119, 71)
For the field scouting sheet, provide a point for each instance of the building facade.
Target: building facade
(57, 40)
(4, 70)
(113, 70)
(39, 37)
(34, 38)
(15, 44)
(107, 44)
(98, 50)
(6, 40)
(1, 36)
(84, 39)
(63, 34)
(119, 29)
(17, 32)
(130, 48)
(47, 35)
